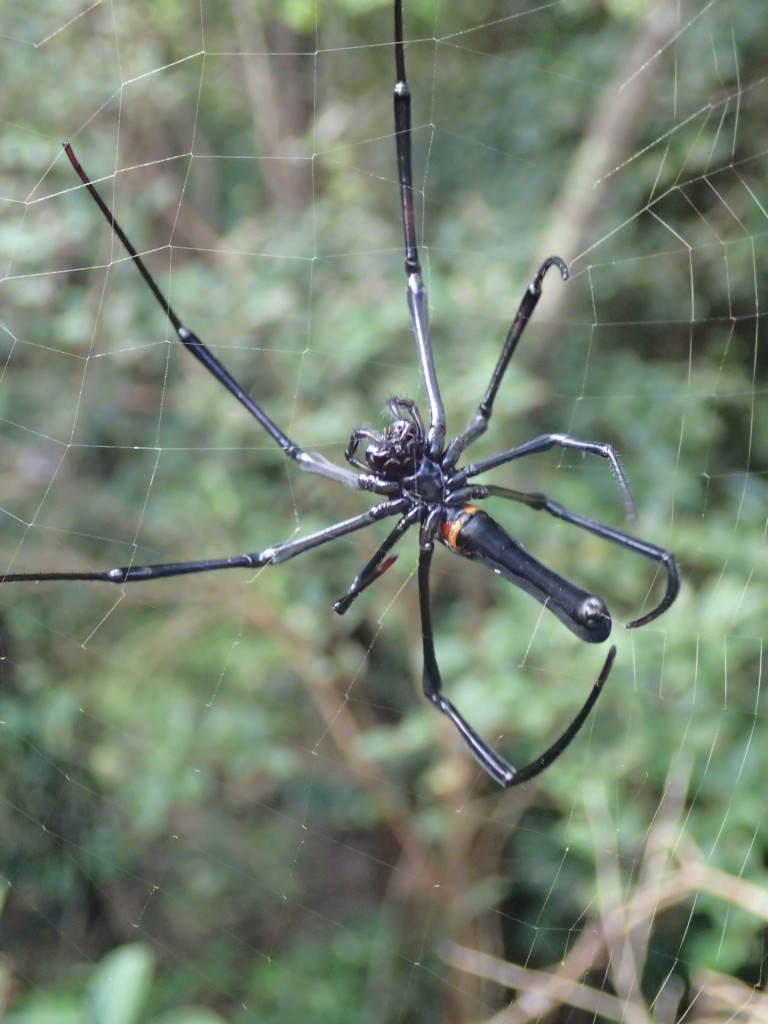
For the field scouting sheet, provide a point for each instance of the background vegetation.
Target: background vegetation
(219, 801)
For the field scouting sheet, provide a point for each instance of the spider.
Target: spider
(420, 481)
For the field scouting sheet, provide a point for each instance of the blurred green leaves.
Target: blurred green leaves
(220, 761)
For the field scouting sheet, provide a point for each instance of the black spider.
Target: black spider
(419, 478)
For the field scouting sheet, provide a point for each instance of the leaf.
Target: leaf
(120, 984)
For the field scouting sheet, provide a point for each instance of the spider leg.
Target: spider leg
(500, 770)
(311, 462)
(544, 443)
(479, 422)
(350, 453)
(378, 564)
(552, 753)
(254, 560)
(418, 305)
(661, 556)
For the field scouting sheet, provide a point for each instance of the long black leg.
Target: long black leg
(661, 556)
(254, 560)
(378, 564)
(416, 292)
(545, 443)
(312, 462)
(479, 422)
(497, 767)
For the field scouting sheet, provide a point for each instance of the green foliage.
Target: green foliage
(220, 765)
(116, 992)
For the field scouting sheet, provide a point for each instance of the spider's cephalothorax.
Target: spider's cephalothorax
(420, 482)
(395, 452)
(400, 460)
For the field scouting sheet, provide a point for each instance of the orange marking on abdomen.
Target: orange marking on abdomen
(451, 531)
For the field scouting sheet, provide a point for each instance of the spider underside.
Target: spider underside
(420, 483)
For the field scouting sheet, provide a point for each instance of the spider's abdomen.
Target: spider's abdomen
(472, 533)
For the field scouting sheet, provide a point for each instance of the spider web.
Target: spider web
(212, 785)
